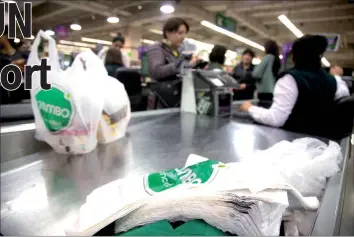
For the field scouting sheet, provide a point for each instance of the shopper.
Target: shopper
(336, 70)
(165, 61)
(305, 94)
(267, 71)
(217, 57)
(113, 61)
(164, 58)
(243, 74)
(117, 42)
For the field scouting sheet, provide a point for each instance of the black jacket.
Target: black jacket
(244, 76)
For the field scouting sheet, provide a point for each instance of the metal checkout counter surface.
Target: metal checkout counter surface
(41, 191)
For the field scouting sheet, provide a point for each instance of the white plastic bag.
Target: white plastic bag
(67, 115)
(116, 109)
(304, 163)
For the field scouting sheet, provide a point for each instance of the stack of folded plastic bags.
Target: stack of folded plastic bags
(244, 198)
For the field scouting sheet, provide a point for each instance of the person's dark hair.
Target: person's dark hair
(249, 52)
(114, 56)
(271, 47)
(173, 24)
(217, 54)
(307, 51)
(119, 37)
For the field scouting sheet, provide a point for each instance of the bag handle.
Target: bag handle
(53, 57)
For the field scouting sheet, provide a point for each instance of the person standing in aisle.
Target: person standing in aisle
(113, 61)
(117, 42)
(267, 71)
(304, 95)
(217, 57)
(165, 62)
(243, 74)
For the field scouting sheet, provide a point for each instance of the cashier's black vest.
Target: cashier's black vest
(314, 107)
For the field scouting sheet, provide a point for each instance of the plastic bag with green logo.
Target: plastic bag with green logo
(68, 114)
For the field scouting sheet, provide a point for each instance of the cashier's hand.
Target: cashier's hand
(246, 106)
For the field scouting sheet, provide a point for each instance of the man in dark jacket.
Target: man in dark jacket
(243, 74)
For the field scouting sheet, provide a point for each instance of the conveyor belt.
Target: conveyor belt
(41, 191)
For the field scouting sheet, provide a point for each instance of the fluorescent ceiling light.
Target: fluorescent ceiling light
(232, 35)
(49, 32)
(96, 41)
(8, 1)
(325, 62)
(75, 27)
(159, 32)
(290, 26)
(146, 41)
(285, 20)
(79, 44)
(167, 9)
(113, 19)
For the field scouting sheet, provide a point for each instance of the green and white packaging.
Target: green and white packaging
(200, 176)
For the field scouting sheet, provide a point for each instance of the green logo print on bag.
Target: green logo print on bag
(202, 172)
(55, 107)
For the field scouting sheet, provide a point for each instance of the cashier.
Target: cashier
(303, 94)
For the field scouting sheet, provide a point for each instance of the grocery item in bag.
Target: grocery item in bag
(116, 111)
(67, 115)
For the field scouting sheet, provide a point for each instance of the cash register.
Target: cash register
(211, 90)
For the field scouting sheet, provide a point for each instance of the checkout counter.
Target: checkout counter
(41, 191)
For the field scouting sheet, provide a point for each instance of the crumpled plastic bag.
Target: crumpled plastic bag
(304, 163)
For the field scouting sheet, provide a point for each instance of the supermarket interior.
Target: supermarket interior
(180, 117)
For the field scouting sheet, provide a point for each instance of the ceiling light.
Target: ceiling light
(96, 41)
(280, 57)
(75, 26)
(290, 26)
(113, 19)
(16, 40)
(140, 7)
(49, 32)
(159, 32)
(8, 1)
(232, 35)
(325, 62)
(146, 41)
(167, 9)
(285, 20)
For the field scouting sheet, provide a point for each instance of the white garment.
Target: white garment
(285, 96)
(126, 61)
